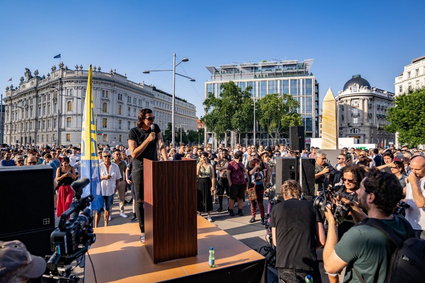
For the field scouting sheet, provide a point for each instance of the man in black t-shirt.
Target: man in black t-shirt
(143, 142)
(296, 232)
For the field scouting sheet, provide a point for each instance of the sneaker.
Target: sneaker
(252, 220)
(123, 215)
(110, 217)
(263, 221)
(240, 213)
(142, 238)
(209, 218)
(231, 212)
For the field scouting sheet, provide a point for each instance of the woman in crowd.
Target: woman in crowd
(351, 178)
(206, 185)
(65, 175)
(397, 168)
(257, 180)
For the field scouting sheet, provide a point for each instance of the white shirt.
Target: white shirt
(107, 187)
(415, 215)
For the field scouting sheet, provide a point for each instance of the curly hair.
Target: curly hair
(291, 188)
(357, 171)
(142, 116)
(386, 188)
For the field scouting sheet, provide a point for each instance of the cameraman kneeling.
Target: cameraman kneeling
(296, 231)
(364, 249)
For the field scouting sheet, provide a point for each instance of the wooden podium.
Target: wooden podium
(170, 209)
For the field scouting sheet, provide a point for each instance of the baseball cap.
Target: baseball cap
(16, 261)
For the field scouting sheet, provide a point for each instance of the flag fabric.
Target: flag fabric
(57, 56)
(89, 159)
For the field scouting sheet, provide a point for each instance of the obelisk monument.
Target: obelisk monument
(329, 122)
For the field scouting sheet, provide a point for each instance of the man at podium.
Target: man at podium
(144, 141)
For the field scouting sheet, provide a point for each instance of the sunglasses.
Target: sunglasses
(349, 180)
(20, 161)
(340, 158)
(32, 162)
(150, 118)
(108, 156)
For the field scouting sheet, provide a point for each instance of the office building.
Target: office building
(283, 77)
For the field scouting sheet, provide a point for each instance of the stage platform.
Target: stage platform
(119, 256)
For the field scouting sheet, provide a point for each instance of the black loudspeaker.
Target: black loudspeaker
(307, 180)
(26, 206)
(297, 140)
(287, 168)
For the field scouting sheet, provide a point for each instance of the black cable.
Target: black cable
(92, 266)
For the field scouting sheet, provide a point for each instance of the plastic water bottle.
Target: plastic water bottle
(308, 278)
(211, 258)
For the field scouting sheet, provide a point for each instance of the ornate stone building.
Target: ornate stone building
(362, 112)
(412, 77)
(48, 109)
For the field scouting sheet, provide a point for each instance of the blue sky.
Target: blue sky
(372, 38)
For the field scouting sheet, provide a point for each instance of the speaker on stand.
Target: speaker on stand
(296, 135)
(287, 168)
(307, 180)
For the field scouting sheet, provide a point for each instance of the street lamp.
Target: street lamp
(173, 101)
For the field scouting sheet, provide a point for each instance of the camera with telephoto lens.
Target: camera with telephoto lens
(401, 208)
(72, 238)
(331, 197)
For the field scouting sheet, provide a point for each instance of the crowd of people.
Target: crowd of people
(370, 182)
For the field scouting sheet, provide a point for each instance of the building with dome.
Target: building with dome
(362, 112)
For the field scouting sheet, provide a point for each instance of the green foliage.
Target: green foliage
(231, 111)
(189, 137)
(407, 117)
(278, 112)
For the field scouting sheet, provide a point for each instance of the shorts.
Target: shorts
(107, 202)
(237, 191)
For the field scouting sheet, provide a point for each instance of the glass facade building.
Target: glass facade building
(284, 77)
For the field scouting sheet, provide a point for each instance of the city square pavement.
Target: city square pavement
(251, 234)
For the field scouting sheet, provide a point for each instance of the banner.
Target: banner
(89, 158)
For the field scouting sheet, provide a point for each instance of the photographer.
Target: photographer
(364, 249)
(351, 178)
(296, 232)
(321, 172)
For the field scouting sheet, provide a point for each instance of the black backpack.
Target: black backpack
(408, 259)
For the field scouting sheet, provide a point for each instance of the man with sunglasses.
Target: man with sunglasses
(143, 142)
(110, 176)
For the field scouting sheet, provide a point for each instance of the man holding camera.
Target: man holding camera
(321, 171)
(365, 250)
(296, 232)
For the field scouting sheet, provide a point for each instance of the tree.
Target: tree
(231, 111)
(407, 118)
(278, 112)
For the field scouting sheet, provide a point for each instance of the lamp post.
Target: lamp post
(254, 130)
(173, 101)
